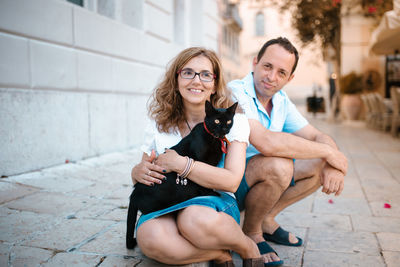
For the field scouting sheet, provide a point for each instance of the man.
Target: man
(265, 190)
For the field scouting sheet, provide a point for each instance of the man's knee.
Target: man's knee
(273, 171)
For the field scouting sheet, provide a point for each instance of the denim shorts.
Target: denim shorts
(244, 189)
(225, 203)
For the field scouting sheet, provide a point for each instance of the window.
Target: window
(259, 24)
(76, 2)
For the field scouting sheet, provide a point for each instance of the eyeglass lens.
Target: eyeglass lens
(205, 76)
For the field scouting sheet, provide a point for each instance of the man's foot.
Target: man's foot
(283, 237)
(269, 255)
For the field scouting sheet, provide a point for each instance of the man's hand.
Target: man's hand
(337, 160)
(332, 180)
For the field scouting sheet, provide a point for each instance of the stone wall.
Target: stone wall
(74, 81)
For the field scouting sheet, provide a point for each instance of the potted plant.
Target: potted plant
(351, 86)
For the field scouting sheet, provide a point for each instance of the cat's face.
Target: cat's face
(219, 121)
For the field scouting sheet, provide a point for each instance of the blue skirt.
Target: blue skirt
(225, 203)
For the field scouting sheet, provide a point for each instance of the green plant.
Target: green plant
(351, 83)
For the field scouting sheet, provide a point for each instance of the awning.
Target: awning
(385, 39)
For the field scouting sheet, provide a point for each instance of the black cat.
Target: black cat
(204, 143)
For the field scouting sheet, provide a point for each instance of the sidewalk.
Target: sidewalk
(74, 214)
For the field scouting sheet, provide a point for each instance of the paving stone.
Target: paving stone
(21, 225)
(111, 242)
(10, 191)
(378, 208)
(325, 221)
(329, 259)
(381, 188)
(302, 206)
(96, 209)
(111, 261)
(73, 259)
(4, 253)
(50, 203)
(392, 258)
(68, 233)
(389, 241)
(50, 181)
(291, 256)
(341, 205)
(375, 224)
(28, 256)
(340, 241)
(352, 189)
(118, 214)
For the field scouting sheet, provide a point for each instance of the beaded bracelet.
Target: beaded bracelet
(181, 178)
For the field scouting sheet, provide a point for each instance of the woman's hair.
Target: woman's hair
(166, 105)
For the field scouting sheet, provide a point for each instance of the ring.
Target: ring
(149, 173)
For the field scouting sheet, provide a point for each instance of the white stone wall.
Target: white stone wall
(74, 81)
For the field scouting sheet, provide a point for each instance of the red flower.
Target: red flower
(371, 9)
(330, 201)
(387, 206)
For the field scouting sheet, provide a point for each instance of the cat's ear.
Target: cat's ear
(209, 107)
(232, 108)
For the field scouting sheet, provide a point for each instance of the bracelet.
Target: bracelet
(188, 167)
(191, 167)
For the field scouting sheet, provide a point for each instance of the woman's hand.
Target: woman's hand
(171, 161)
(146, 172)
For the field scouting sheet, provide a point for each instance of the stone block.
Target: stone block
(28, 256)
(14, 65)
(94, 72)
(10, 191)
(341, 205)
(381, 188)
(34, 137)
(111, 261)
(18, 226)
(378, 208)
(375, 224)
(111, 242)
(135, 77)
(137, 122)
(108, 118)
(4, 254)
(323, 221)
(342, 241)
(392, 258)
(328, 259)
(50, 182)
(389, 241)
(302, 206)
(53, 66)
(92, 31)
(74, 259)
(162, 26)
(41, 19)
(50, 203)
(79, 231)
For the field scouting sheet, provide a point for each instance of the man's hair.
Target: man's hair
(286, 44)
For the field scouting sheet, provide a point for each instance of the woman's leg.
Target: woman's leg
(206, 228)
(160, 239)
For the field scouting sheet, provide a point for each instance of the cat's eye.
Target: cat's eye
(229, 122)
(216, 121)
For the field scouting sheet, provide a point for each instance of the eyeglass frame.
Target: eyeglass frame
(196, 73)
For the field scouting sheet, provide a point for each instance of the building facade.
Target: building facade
(75, 76)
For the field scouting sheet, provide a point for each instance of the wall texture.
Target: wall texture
(74, 81)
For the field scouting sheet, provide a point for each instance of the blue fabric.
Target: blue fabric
(225, 203)
(284, 115)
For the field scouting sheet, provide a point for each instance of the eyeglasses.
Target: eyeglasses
(204, 76)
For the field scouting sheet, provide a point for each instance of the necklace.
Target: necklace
(190, 129)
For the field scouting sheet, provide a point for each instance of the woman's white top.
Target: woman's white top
(158, 141)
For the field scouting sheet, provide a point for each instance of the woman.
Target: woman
(195, 231)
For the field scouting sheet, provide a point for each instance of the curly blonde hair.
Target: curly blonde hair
(166, 105)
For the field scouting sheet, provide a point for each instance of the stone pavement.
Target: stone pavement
(74, 214)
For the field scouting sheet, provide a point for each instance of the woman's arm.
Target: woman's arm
(224, 179)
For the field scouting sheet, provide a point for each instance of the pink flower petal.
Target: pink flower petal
(387, 206)
(330, 201)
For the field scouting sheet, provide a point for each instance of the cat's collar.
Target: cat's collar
(224, 141)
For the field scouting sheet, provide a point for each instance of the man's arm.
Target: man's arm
(332, 180)
(278, 144)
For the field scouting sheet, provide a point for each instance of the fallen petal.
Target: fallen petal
(387, 206)
(330, 201)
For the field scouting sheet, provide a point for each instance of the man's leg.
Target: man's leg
(267, 178)
(307, 178)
